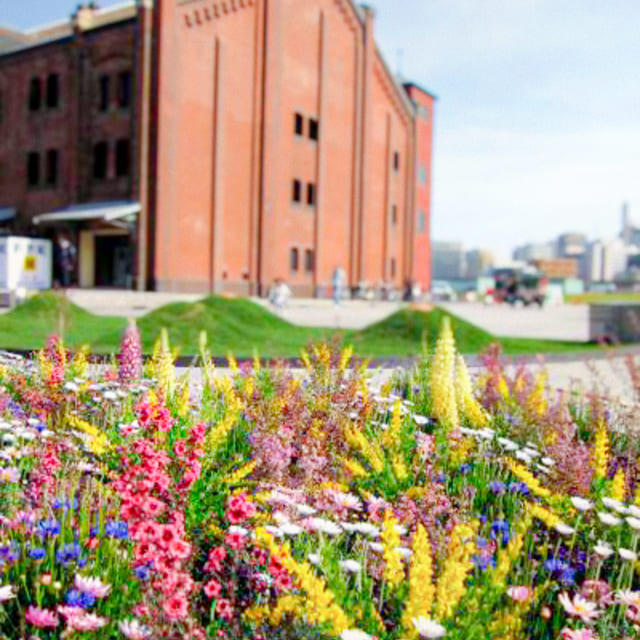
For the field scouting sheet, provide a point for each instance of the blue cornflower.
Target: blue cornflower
(87, 600)
(555, 564)
(519, 487)
(49, 527)
(483, 562)
(73, 597)
(81, 562)
(10, 552)
(500, 530)
(68, 552)
(481, 542)
(37, 553)
(142, 572)
(465, 468)
(117, 529)
(568, 576)
(441, 477)
(497, 487)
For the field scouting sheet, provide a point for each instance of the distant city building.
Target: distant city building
(449, 261)
(478, 263)
(534, 251)
(606, 260)
(570, 245)
(557, 268)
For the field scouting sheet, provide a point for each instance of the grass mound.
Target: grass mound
(235, 325)
(29, 324)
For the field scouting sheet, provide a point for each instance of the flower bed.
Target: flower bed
(271, 503)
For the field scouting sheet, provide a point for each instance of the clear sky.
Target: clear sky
(538, 116)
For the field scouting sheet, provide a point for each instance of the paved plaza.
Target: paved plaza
(567, 322)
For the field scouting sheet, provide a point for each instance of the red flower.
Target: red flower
(180, 448)
(216, 557)
(213, 589)
(175, 608)
(236, 541)
(224, 609)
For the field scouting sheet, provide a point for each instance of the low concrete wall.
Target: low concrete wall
(614, 322)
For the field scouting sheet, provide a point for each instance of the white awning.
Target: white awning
(105, 211)
(7, 213)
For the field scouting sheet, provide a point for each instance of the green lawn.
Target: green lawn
(603, 298)
(241, 326)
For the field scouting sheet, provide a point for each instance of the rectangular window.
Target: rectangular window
(52, 167)
(33, 169)
(393, 267)
(297, 191)
(294, 259)
(422, 174)
(104, 92)
(308, 261)
(396, 161)
(122, 157)
(313, 129)
(298, 125)
(422, 222)
(35, 94)
(124, 90)
(394, 214)
(100, 155)
(53, 91)
(311, 194)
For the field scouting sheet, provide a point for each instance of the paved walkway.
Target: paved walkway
(309, 312)
(568, 322)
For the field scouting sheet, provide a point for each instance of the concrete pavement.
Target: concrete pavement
(567, 322)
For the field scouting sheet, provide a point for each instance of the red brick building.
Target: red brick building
(202, 145)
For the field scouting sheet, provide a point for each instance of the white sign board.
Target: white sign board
(25, 263)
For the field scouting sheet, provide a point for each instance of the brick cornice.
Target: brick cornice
(200, 12)
(390, 89)
(349, 14)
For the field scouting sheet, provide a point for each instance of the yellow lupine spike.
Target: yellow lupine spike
(451, 582)
(600, 454)
(618, 487)
(441, 381)
(393, 567)
(421, 587)
(467, 404)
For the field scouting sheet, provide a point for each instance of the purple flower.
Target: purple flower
(130, 357)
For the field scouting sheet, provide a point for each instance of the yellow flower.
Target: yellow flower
(354, 467)
(394, 569)
(98, 442)
(345, 358)
(618, 487)
(600, 454)
(399, 467)
(232, 363)
(318, 607)
(467, 404)
(391, 437)
(163, 364)
(421, 587)
(241, 473)
(451, 582)
(524, 475)
(442, 387)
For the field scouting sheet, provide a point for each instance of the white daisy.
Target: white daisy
(581, 504)
(608, 519)
(428, 628)
(350, 566)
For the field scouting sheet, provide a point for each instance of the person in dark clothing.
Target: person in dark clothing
(64, 260)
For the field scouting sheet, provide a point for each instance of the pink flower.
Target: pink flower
(180, 549)
(43, 618)
(579, 607)
(130, 358)
(216, 556)
(84, 621)
(235, 541)
(175, 608)
(520, 594)
(224, 609)
(133, 630)
(239, 508)
(578, 634)
(213, 589)
(93, 586)
(153, 507)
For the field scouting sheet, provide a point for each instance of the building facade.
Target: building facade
(204, 146)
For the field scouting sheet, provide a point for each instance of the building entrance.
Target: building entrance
(113, 261)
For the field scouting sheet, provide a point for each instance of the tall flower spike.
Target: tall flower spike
(442, 386)
(130, 357)
(467, 404)
(393, 570)
(163, 364)
(618, 488)
(600, 456)
(421, 587)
